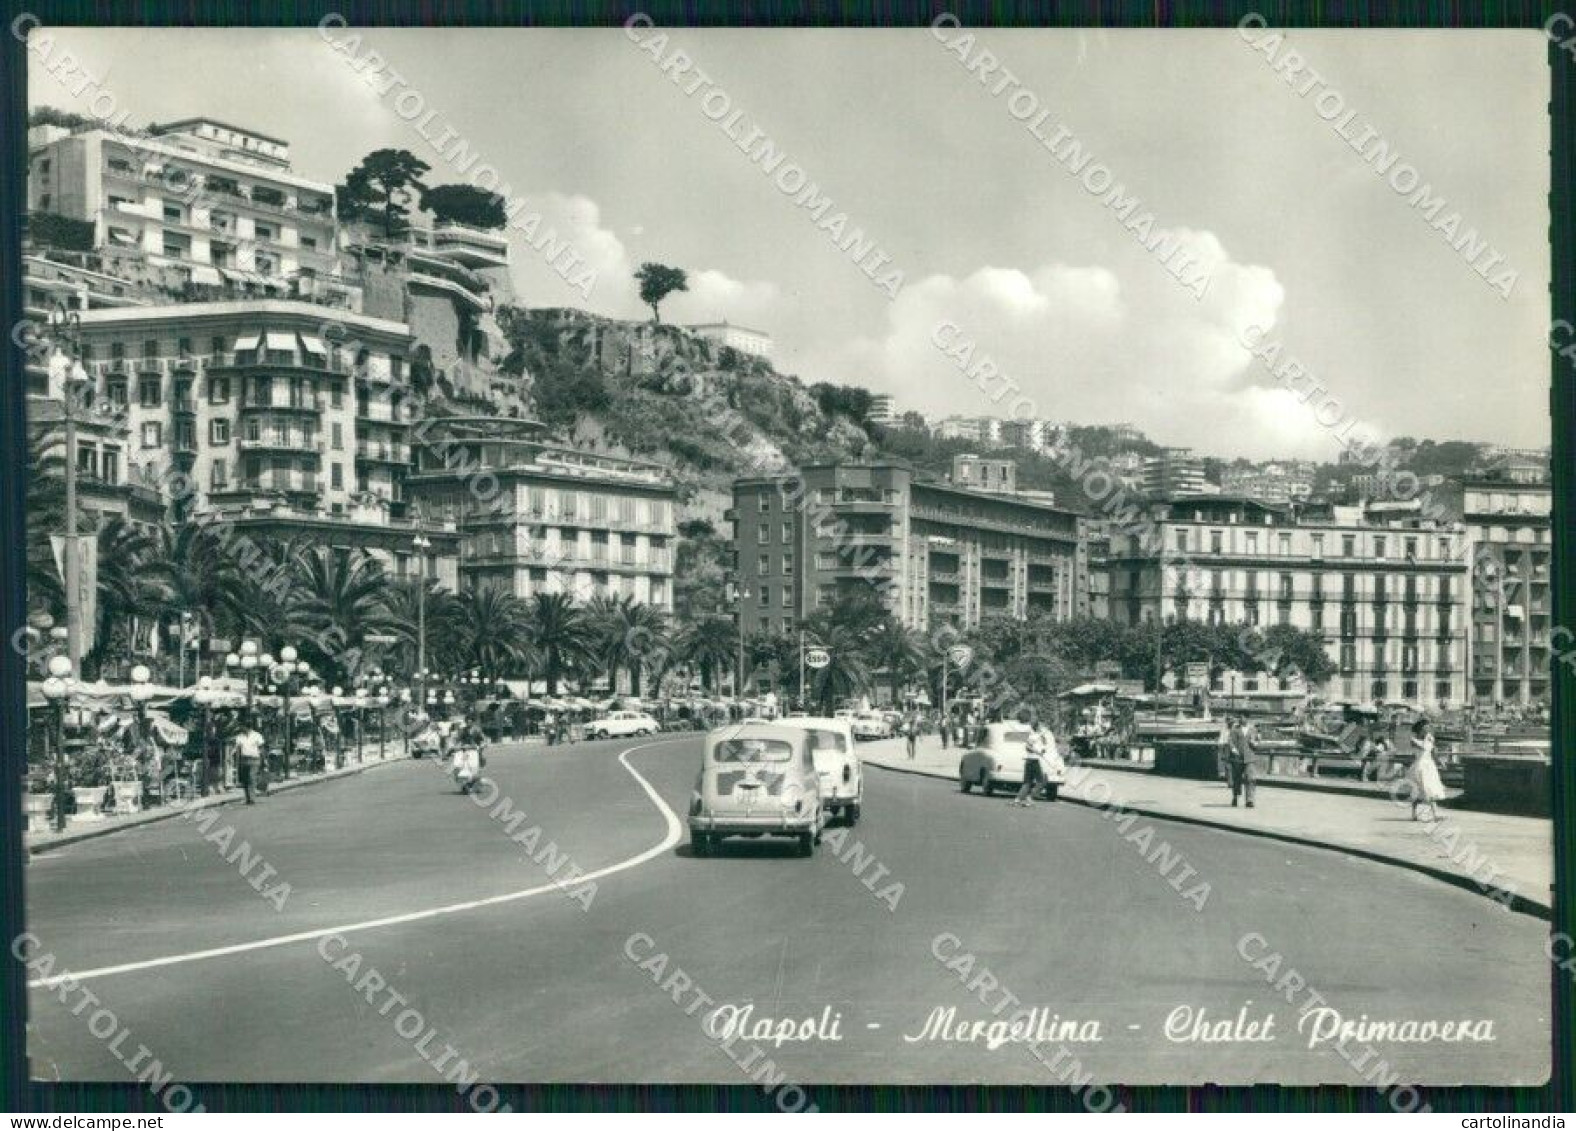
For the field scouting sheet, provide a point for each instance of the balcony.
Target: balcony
(944, 577)
(383, 453)
(314, 405)
(268, 442)
(258, 359)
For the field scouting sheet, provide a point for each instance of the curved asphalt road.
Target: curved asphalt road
(1054, 903)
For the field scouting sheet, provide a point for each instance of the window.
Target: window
(788, 561)
(1285, 587)
(1181, 541)
(117, 350)
(1285, 545)
(1214, 541)
(765, 565)
(150, 348)
(787, 533)
(176, 246)
(1378, 547)
(218, 390)
(1253, 541)
(1411, 549)
(336, 476)
(217, 475)
(763, 534)
(263, 231)
(1348, 659)
(1349, 545)
(43, 201)
(1316, 619)
(337, 436)
(766, 595)
(174, 213)
(152, 435)
(787, 595)
(149, 392)
(219, 432)
(111, 465)
(308, 243)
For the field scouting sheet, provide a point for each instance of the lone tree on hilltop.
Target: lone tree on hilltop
(465, 204)
(657, 282)
(380, 189)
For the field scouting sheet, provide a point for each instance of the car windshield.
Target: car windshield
(1013, 738)
(753, 750)
(829, 740)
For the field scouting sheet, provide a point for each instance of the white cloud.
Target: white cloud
(1098, 344)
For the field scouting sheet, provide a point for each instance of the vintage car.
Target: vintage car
(837, 765)
(426, 741)
(870, 726)
(996, 761)
(622, 724)
(756, 779)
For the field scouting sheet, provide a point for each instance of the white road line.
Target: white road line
(675, 832)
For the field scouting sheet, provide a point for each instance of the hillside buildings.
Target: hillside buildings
(931, 553)
(1173, 473)
(756, 343)
(1277, 483)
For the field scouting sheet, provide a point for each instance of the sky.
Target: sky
(1299, 239)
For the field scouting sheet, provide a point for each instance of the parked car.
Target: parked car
(871, 726)
(756, 779)
(622, 724)
(426, 741)
(996, 762)
(837, 765)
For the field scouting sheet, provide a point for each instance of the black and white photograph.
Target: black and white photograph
(777, 557)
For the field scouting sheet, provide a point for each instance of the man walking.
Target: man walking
(1239, 761)
(248, 754)
(911, 731)
(1033, 766)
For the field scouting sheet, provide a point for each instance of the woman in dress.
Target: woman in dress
(1427, 786)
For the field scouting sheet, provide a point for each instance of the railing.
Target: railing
(260, 359)
(266, 442)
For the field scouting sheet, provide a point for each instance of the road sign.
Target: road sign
(1197, 675)
(817, 658)
(381, 638)
(1108, 669)
(960, 655)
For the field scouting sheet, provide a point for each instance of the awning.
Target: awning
(207, 276)
(313, 345)
(246, 341)
(281, 341)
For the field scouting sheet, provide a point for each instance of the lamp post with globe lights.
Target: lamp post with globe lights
(56, 688)
(141, 692)
(284, 673)
(205, 696)
(361, 708)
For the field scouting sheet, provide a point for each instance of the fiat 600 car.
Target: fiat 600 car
(837, 765)
(996, 761)
(757, 779)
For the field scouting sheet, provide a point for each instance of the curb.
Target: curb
(1513, 900)
(171, 812)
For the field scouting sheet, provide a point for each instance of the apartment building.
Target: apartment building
(932, 553)
(1389, 596)
(883, 410)
(536, 517)
(211, 204)
(277, 414)
(1508, 523)
(1028, 435)
(1174, 473)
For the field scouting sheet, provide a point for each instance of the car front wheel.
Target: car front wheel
(986, 785)
(1051, 791)
(806, 844)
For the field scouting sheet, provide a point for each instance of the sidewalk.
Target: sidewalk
(1507, 858)
(43, 842)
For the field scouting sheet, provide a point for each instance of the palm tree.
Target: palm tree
(496, 636)
(708, 645)
(340, 599)
(45, 502)
(900, 651)
(130, 596)
(846, 673)
(198, 576)
(446, 628)
(561, 635)
(629, 635)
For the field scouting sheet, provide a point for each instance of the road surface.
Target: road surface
(936, 901)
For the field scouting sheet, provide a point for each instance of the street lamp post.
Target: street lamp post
(361, 706)
(283, 673)
(204, 697)
(422, 544)
(405, 722)
(56, 688)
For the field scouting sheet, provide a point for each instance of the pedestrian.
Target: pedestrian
(248, 754)
(1033, 767)
(549, 727)
(944, 729)
(1239, 761)
(1367, 761)
(469, 757)
(1427, 787)
(911, 732)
